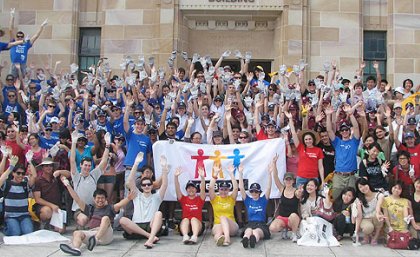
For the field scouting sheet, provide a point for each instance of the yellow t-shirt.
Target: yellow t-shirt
(223, 206)
(395, 209)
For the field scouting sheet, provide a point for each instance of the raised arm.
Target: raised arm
(354, 123)
(234, 182)
(126, 123)
(214, 176)
(241, 182)
(38, 33)
(292, 128)
(275, 173)
(131, 180)
(269, 182)
(73, 194)
(104, 160)
(74, 138)
(12, 162)
(202, 183)
(329, 111)
(130, 197)
(165, 171)
(179, 194)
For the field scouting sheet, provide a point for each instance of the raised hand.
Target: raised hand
(12, 12)
(29, 156)
(13, 160)
(139, 158)
(288, 115)
(44, 23)
(107, 138)
(231, 168)
(201, 172)
(163, 161)
(375, 65)
(178, 171)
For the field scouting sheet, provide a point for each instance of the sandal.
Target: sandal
(220, 240)
(365, 240)
(374, 242)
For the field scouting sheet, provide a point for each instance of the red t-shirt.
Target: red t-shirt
(16, 150)
(308, 161)
(261, 135)
(403, 175)
(192, 208)
(415, 157)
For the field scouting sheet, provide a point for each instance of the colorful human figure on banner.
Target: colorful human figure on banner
(217, 162)
(236, 159)
(199, 162)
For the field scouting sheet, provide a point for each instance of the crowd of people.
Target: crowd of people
(86, 146)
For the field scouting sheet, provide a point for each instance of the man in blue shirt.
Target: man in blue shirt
(345, 150)
(136, 140)
(19, 53)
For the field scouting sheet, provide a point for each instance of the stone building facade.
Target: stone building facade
(275, 31)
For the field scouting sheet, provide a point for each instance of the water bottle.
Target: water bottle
(348, 219)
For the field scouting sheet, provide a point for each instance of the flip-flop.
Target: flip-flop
(70, 250)
(220, 240)
(91, 243)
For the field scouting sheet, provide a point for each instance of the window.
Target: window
(374, 49)
(89, 47)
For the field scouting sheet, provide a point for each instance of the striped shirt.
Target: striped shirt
(16, 200)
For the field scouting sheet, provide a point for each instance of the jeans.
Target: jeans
(14, 70)
(302, 181)
(18, 226)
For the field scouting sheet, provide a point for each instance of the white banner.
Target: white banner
(255, 158)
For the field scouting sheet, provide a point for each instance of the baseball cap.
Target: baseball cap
(54, 120)
(344, 125)
(140, 119)
(190, 184)
(255, 187)
(412, 121)
(101, 113)
(259, 68)
(271, 123)
(289, 175)
(408, 134)
(181, 105)
(399, 90)
(397, 105)
(48, 126)
(409, 105)
(218, 97)
(227, 67)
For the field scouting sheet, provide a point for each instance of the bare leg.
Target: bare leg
(82, 219)
(105, 223)
(258, 233)
(131, 228)
(78, 237)
(196, 226)
(294, 221)
(45, 213)
(229, 228)
(155, 226)
(277, 225)
(184, 227)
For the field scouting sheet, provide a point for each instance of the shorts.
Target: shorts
(37, 209)
(146, 227)
(106, 179)
(106, 239)
(203, 227)
(260, 225)
(285, 220)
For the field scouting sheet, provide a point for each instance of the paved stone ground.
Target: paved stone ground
(172, 246)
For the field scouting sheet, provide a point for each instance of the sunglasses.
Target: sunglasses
(137, 112)
(243, 137)
(146, 185)
(254, 191)
(51, 106)
(217, 100)
(9, 79)
(48, 129)
(20, 36)
(20, 173)
(111, 91)
(223, 189)
(344, 130)
(35, 88)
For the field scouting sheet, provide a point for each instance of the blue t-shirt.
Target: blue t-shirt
(345, 154)
(19, 53)
(47, 143)
(137, 143)
(3, 46)
(119, 126)
(256, 208)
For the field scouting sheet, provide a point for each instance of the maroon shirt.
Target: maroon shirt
(50, 190)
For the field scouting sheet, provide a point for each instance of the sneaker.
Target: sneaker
(70, 250)
(245, 242)
(284, 234)
(91, 243)
(193, 240)
(220, 240)
(252, 241)
(186, 239)
(294, 238)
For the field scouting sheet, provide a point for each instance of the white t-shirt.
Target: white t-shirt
(85, 186)
(145, 207)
